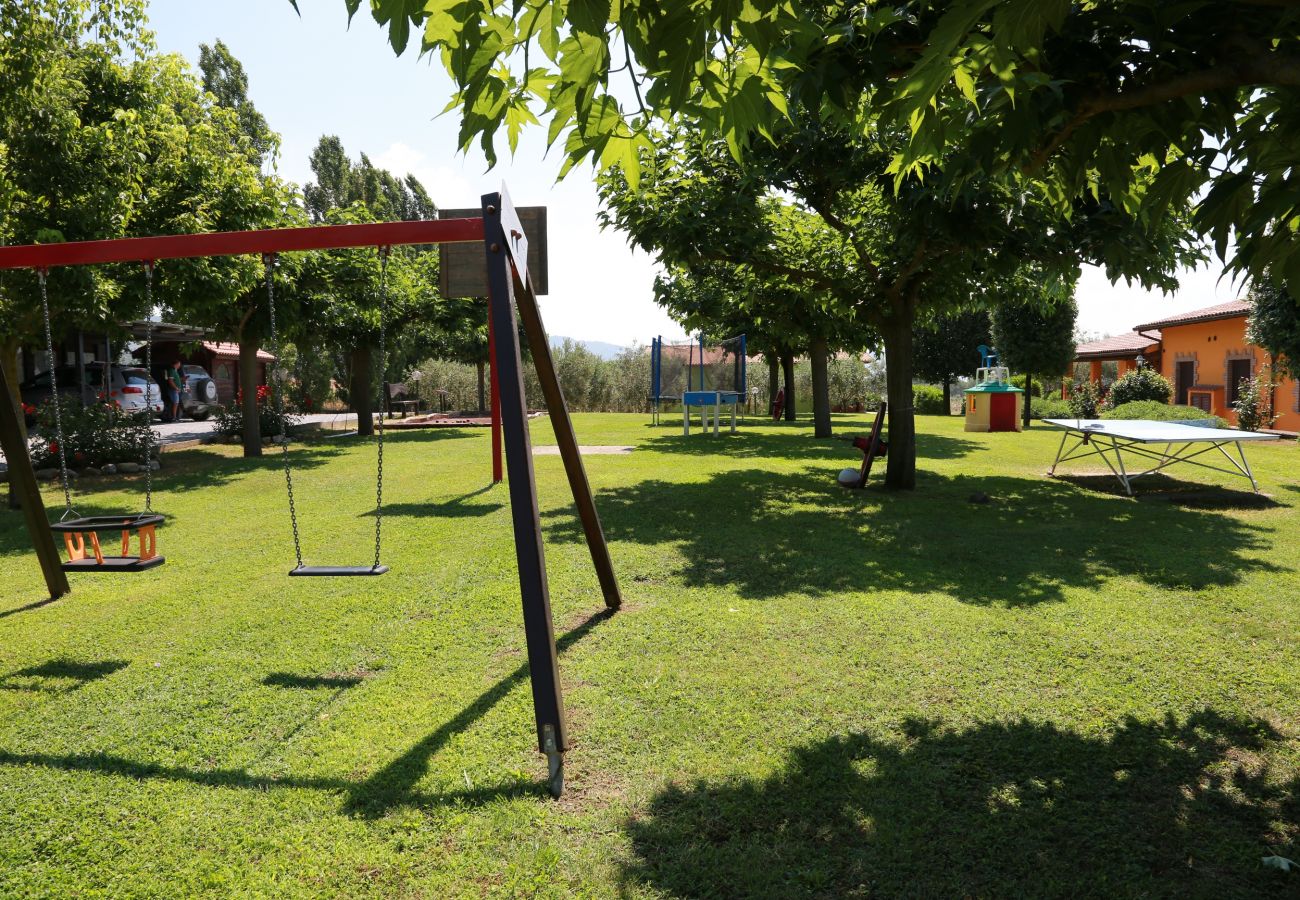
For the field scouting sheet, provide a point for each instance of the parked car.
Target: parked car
(199, 399)
(129, 387)
(138, 381)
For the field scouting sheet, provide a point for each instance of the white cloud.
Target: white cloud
(1113, 309)
(447, 185)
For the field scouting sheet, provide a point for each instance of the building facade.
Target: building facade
(1205, 355)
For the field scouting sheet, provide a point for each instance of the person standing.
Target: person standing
(175, 385)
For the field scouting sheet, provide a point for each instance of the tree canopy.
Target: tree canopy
(1274, 324)
(946, 346)
(340, 183)
(1140, 106)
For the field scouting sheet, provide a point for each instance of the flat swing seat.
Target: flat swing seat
(336, 571)
(114, 564)
(81, 539)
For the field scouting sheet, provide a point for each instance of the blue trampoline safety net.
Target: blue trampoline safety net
(696, 366)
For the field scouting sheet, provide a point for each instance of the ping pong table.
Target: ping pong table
(1184, 442)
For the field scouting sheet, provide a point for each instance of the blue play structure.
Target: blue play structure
(698, 375)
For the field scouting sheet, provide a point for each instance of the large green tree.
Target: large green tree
(77, 128)
(1033, 331)
(876, 257)
(227, 191)
(342, 294)
(225, 79)
(340, 183)
(946, 347)
(348, 191)
(1274, 324)
(725, 299)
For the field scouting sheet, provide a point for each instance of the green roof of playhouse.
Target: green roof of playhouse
(994, 387)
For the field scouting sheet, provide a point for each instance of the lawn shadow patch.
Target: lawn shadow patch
(768, 534)
(1155, 808)
(60, 676)
(455, 508)
(394, 784)
(26, 607)
(312, 682)
(798, 445)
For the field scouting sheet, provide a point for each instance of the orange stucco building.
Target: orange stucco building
(1204, 354)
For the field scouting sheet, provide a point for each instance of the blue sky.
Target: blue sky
(312, 75)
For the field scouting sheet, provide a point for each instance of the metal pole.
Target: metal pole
(539, 631)
(22, 481)
(494, 389)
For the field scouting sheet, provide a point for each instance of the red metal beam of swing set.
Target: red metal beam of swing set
(239, 243)
(271, 240)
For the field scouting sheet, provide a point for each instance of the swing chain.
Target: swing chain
(148, 368)
(277, 384)
(68, 512)
(383, 400)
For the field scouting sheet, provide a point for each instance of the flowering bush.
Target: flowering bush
(230, 419)
(94, 435)
(1085, 400)
(1254, 405)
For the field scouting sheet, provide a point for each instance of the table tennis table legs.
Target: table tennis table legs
(1107, 446)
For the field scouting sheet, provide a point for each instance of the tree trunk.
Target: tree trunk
(1029, 393)
(482, 389)
(787, 368)
(819, 353)
(901, 472)
(362, 401)
(773, 380)
(947, 396)
(252, 437)
(13, 375)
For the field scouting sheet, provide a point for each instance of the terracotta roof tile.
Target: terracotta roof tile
(231, 351)
(1127, 344)
(1230, 310)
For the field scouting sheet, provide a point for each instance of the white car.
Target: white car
(137, 390)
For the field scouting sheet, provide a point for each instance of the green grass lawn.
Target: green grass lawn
(809, 692)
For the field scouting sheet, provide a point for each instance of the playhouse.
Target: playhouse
(993, 403)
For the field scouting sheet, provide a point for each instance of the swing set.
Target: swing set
(510, 289)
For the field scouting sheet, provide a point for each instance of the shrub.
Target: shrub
(1049, 408)
(1019, 381)
(1085, 400)
(1160, 412)
(93, 435)
(1140, 384)
(1253, 405)
(229, 420)
(928, 400)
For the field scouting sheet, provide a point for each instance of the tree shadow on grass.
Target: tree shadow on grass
(1158, 808)
(312, 682)
(798, 445)
(60, 676)
(455, 508)
(394, 784)
(390, 787)
(768, 534)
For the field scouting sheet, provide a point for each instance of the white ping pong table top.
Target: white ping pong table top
(1150, 431)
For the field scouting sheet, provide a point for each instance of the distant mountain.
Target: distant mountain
(600, 348)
